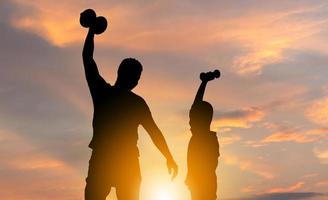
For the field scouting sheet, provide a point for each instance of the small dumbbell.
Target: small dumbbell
(208, 76)
(89, 19)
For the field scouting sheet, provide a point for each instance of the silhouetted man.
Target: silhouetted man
(117, 114)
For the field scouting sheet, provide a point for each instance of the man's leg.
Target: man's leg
(128, 191)
(97, 186)
(130, 178)
(96, 191)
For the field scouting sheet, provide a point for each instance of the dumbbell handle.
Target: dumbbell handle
(208, 76)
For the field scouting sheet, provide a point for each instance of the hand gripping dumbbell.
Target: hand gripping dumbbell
(89, 19)
(208, 76)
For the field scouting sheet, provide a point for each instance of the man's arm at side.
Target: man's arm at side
(160, 142)
(90, 67)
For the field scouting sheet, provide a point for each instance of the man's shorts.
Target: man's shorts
(107, 171)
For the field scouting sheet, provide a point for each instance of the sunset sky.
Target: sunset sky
(271, 103)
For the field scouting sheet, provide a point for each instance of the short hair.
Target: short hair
(202, 112)
(129, 66)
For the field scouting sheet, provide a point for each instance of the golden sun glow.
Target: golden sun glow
(163, 194)
(165, 191)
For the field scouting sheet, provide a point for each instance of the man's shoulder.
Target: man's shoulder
(107, 88)
(137, 97)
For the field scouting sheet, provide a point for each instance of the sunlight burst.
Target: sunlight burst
(163, 194)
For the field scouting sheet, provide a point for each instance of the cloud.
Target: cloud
(291, 188)
(266, 38)
(263, 37)
(248, 189)
(29, 173)
(28, 157)
(44, 95)
(322, 132)
(283, 133)
(50, 110)
(307, 176)
(321, 154)
(243, 118)
(288, 136)
(70, 93)
(251, 166)
(226, 140)
(323, 183)
(318, 111)
(286, 196)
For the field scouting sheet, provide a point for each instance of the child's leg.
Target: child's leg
(194, 193)
(204, 192)
(202, 195)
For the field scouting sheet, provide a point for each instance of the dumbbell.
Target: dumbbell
(89, 19)
(208, 76)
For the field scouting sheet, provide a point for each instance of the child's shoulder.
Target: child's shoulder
(210, 136)
(213, 134)
(213, 137)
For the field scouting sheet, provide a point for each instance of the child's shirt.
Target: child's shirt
(202, 158)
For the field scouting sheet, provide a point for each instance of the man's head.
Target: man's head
(201, 116)
(128, 73)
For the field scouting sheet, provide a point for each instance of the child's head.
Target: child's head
(201, 116)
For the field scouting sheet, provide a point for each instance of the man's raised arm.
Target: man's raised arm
(95, 81)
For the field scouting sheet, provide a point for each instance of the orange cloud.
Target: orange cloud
(257, 168)
(226, 140)
(321, 154)
(290, 188)
(288, 137)
(263, 36)
(68, 92)
(248, 189)
(17, 157)
(286, 134)
(318, 111)
(266, 53)
(27, 171)
(306, 176)
(323, 183)
(36, 163)
(323, 132)
(239, 119)
(50, 20)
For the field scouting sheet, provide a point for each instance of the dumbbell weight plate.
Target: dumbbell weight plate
(202, 76)
(217, 73)
(87, 18)
(100, 25)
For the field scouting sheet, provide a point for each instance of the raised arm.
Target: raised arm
(200, 93)
(205, 77)
(95, 81)
(160, 142)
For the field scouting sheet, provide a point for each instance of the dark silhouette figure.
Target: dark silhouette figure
(117, 114)
(203, 149)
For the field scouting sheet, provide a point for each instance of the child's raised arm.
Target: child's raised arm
(205, 77)
(200, 93)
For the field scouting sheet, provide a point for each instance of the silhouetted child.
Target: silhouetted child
(203, 149)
